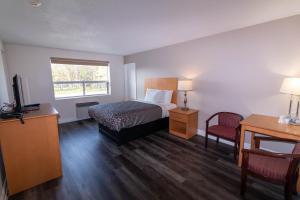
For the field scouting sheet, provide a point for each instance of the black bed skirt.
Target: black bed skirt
(128, 134)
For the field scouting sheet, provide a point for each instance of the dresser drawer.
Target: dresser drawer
(178, 117)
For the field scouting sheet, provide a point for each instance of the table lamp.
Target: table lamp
(185, 85)
(291, 86)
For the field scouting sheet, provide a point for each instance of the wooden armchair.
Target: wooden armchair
(277, 168)
(228, 128)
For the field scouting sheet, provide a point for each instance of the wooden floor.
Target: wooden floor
(159, 166)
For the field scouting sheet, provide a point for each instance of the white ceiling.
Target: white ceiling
(127, 26)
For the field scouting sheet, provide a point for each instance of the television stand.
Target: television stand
(31, 151)
(31, 107)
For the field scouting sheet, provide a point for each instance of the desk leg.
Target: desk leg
(298, 183)
(242, 141)
(252, 140)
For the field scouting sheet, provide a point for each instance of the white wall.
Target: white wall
(3, 77)
(33, 65)
(239, 71)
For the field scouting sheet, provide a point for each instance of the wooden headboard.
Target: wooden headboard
(163, 84)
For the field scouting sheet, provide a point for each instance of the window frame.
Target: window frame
(71, 61)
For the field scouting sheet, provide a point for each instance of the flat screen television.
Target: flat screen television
(17, 88)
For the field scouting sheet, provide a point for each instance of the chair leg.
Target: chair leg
(206, 138)
(235, 150)
(243, 181)
(294, 182)
(217, 139)
(288, 191)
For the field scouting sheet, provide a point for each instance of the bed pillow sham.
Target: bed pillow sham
(158, 96)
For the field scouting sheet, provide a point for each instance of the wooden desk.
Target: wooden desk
(269, 126)
(31, 152)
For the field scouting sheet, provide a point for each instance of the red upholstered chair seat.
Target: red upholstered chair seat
(223, 131)
(261, 165)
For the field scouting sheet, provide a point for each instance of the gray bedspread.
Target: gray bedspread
(126, 114)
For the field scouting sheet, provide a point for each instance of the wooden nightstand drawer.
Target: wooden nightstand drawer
(178, 117)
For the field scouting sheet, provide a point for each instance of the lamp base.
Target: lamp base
(184, 108)
(295, 122)
(287, 119)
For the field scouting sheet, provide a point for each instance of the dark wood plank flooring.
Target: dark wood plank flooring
(159, 166)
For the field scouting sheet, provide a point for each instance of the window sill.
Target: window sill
(81, 97)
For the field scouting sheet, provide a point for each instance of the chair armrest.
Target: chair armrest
(238, 129)
(271, 154)
(207, 121)
(237, 133)
(211, 117)
(293, 169)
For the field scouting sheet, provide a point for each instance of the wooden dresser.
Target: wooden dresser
(31, 152)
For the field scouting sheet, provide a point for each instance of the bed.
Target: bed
(128, 120)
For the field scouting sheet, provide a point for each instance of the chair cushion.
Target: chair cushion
(268, 167)
(223, 131)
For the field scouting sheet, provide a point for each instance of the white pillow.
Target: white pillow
(151, 95)
(158, 96)
(168, 96)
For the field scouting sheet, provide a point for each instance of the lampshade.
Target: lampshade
(185, 85)
(290, 86)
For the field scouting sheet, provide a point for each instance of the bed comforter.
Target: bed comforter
(126, 114)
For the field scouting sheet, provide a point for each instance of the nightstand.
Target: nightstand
(183, 123)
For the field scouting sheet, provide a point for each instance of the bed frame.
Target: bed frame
(128, 134)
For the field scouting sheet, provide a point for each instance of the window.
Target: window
(75, 78)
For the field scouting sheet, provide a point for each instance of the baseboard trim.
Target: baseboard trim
(65, 121)
(201, 132)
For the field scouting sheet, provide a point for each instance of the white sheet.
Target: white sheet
(164, 107)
